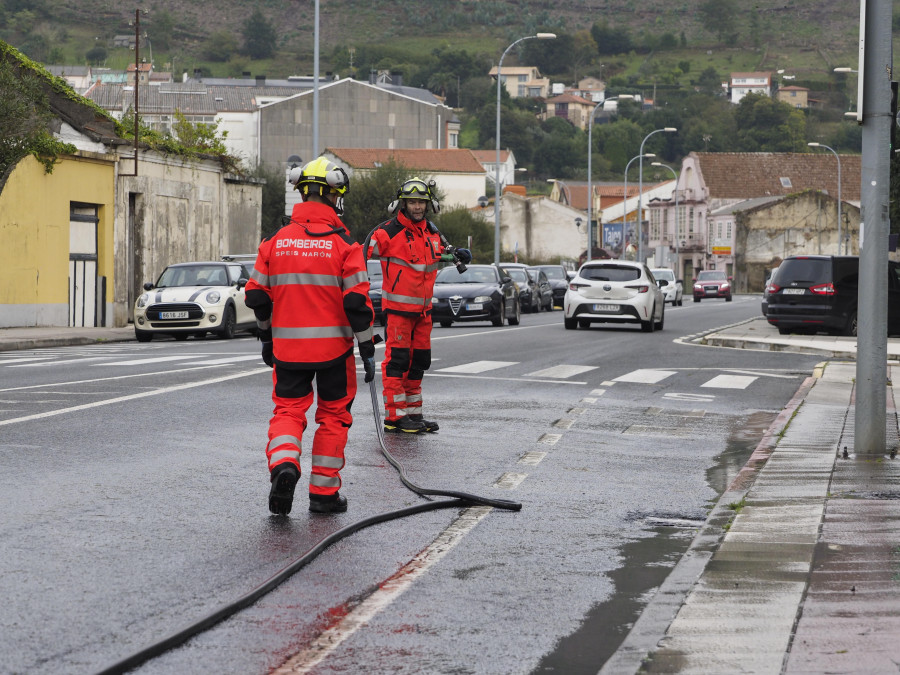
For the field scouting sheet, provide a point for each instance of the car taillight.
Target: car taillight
(575, 287)
(773, 288)
(639, 289)
(823, 289)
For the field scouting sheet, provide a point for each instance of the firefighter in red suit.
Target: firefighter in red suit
(310, 293)
(410, 248)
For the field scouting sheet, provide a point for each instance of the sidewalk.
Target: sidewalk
(797, 568)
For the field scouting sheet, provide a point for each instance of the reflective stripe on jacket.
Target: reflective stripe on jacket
(315, 275)
(410, 256)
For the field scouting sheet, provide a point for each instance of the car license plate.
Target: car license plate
(794, 291)
(474, 306)
(606, 308)
(173, 315)
(712, 291)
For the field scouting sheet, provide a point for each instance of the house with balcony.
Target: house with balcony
(522, 81)
(686, 222)
(570, 107)
(741, 84)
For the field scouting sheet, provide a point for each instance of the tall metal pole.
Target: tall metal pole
(640, 213)
(871, 358)
(840, 239)
(590, 187)
(539, 36)
(625, 196)
(675, 191)
(315, 134)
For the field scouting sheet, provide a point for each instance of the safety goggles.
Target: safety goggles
(415, 190)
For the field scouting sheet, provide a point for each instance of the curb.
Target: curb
(651, 626)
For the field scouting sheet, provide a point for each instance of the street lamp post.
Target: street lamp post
(566, 191)
(539, 36)
(589, 171)
(838, 157)
(668, 130)
(677, 252)
(625, 196)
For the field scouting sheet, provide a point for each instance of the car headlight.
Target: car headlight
(213, 297)
(482, 298)
(434, 300)
(143, 300)
(725, 287)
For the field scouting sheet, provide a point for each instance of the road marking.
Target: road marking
(588, 400)
(155, 359)
(55, 363)
(688, 396)
(561, 371)
(510, 481)
(387, 593)
(598, 392)
(645, 376)
(477, 367)
(505, 379)
(730, 382)
(532, 458)
(214, 362)
(9, 360)
(607, 383)
(576, 411)
(550, 439)
(564, 424)
(131, 397)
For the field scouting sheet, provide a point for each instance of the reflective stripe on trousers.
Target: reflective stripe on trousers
(407, 356)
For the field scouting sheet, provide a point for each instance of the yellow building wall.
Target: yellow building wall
(34, 235)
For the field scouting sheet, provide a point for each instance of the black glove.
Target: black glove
(267, 356)
(464, 255)
(367, 354)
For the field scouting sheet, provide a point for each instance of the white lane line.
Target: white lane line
(9, 360)
(532, 458)
(550, 439)
(598, 392)
(730, 382)
(131, 397)
(510, 481)
(387, 593)
(561, 371)
(505, 379)
(214, 362)
(56, 363)
(476, 367)
(155, 359)
(607, 383)
(688, 396)
(754, 372)
(645, 376)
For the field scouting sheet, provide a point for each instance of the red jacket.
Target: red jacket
(410, 255)
(310, 280)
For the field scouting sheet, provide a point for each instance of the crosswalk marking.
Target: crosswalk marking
(212, 362)
(645, 376)
(561, 371)
(477, 367)
(155, 359)
(55, 363)
(730, 382)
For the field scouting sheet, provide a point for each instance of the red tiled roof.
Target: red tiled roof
(490, 156)
(569, 98)
(743, 175)
(416, 159)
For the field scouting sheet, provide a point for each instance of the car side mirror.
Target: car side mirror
(662, 282)
(148, 286)
(505, 280)
(241, 283)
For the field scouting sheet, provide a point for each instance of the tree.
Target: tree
(458, 224)
(96, 55)
(219, 46)
(259, 36)
(199, 136)
(26, 117)
(719, 17)
(611, 40)
(767, 125)
(162, 24)
(365, 204)
(273, 199)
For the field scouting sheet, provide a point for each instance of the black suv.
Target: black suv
(813, 293)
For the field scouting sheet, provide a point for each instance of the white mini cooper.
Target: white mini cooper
(194, 298)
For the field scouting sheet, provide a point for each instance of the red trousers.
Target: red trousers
(293, 395)
(407, 355)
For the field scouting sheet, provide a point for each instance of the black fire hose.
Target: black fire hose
(460, 499)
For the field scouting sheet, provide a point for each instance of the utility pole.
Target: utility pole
(871, 356)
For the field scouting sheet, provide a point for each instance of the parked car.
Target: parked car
(770, 279)
(481, 293)
(673, 291)
(247, 261)
(615, 291)
(194, 298)
(528, 291)
(373, 267)
(558, 277)
(712, 284)
(544, 289)
(816, 293)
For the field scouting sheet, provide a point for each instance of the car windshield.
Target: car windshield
(472, 275)
(555, 273)
(668, 275)
(805, 270)
(518, 275)
(711, 275)
(610, 273)
(373, 267)
(193, 275)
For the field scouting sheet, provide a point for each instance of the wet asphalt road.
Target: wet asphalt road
(142, 507)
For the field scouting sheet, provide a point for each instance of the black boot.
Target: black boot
(281, 496)
(428, 424)
(327, 503)
(404, 425)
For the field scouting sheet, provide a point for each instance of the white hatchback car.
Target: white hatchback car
(194, 298)
(614, 291)
(674, 290)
